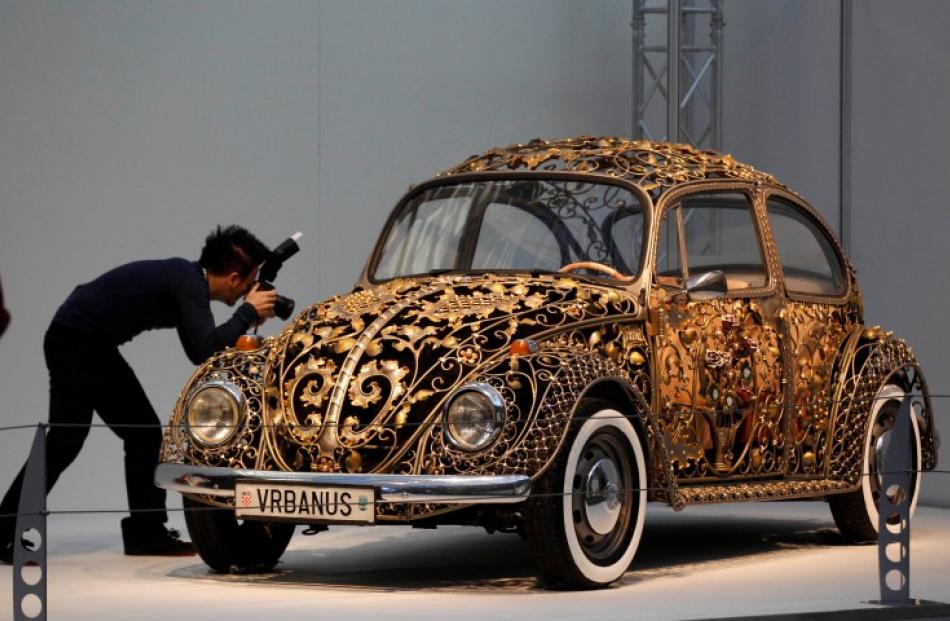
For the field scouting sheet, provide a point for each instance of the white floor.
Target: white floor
(704, 562)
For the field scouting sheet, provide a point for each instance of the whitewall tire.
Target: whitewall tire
(586, 521)
(856, 512)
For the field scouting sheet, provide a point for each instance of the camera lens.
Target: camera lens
(284, 307)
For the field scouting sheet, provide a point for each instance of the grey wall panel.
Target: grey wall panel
(901, 161)
(411, 88)
(127, 131)
(781, 97)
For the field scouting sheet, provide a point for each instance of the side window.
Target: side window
(809, 261)
(720, 235)
(669, 268)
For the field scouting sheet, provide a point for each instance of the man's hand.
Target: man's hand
(262, 301)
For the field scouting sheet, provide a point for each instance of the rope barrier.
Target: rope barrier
(32, 520)
(393, 426)
(390, 502)
(340, 425)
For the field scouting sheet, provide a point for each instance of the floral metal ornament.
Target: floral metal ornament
(654, 166)
(737, 397)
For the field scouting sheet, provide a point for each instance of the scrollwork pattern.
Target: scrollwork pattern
(734, 394)
(654, 166)
(720, 400)
(246, 371)
(357, 383)
(817, 332)
(874, 360)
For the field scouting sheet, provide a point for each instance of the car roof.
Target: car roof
(654, 166)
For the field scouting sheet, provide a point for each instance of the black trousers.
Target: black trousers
(85, 376)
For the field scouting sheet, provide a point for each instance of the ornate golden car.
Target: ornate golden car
(545, 338)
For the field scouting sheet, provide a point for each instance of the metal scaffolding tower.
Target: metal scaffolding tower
(677, 81)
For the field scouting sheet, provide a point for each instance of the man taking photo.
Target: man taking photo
(87, 373)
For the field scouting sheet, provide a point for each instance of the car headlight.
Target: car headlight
(213, 412)
(474, 416)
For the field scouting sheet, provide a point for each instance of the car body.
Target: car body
(547, 337)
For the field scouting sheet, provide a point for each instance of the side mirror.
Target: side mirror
(707, 285)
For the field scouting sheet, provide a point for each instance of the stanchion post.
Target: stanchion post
(29, 563)
(893, 519)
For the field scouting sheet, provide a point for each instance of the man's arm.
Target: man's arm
(199, 336)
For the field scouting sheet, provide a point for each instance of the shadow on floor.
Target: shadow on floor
(461, 559)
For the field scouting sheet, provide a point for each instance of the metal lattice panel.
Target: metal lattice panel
(677, 80)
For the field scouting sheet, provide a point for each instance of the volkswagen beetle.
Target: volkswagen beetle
(545, 338)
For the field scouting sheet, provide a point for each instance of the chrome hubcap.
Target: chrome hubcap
(880, 448)
(602, 502)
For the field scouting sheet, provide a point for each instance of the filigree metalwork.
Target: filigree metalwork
(363, 392)
(719, 396)
(654, 166)
(760, 397)
(817, 333)
(541, 391)
(246, 371)
(764, 490)
(874, 359)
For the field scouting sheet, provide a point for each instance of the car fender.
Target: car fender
(870, 359)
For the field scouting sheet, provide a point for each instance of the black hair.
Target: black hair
(232, 249)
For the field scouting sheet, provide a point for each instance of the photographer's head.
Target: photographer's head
(230, 257)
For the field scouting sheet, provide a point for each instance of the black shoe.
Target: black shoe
(153, 539)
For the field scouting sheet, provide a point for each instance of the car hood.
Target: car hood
(354, 379)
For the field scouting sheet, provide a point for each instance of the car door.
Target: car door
(718, 362)
(819, 314)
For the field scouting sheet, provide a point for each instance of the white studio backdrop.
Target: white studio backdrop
(129, 130)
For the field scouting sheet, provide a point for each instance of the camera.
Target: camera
(283, 306)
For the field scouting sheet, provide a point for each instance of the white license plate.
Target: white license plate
(306, 503)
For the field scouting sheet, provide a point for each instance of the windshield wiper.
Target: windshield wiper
(453, 270)
(543, 272)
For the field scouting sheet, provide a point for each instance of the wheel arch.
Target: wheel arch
(631, 401)
(868, 360)
(621, 394)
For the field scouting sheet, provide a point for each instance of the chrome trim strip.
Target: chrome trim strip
(450, 489)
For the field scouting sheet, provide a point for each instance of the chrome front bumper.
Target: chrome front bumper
(448, 489)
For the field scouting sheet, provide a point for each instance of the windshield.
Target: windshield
(513, 224)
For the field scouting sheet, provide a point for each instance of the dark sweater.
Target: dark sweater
(4, 315)
(147, 295)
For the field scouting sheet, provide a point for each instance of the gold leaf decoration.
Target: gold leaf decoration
(363, 392)
(354, 462)
(373, 348)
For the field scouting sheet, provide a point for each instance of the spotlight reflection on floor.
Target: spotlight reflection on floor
(705, 561)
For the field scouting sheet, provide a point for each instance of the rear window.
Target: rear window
(809, 261)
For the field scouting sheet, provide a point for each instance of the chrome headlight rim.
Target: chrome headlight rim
(233, 392)
(498, 410)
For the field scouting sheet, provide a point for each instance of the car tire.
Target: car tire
(855, 512)
(228, 545)
(581, 537)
